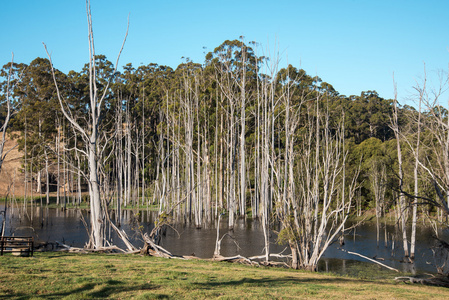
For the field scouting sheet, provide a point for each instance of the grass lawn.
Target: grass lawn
(56, 275)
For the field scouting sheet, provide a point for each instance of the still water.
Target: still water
(66, 226)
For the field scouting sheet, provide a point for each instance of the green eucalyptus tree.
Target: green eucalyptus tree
(37, 114)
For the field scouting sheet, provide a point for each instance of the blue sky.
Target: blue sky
(353, 45)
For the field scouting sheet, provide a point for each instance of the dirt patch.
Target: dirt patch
(12, 178)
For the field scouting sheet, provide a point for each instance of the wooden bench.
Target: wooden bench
(17, 245)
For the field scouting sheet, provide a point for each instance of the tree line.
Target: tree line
(235, 135)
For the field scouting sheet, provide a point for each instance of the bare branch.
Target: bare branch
(64, 111)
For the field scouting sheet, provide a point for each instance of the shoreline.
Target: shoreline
(88, 276)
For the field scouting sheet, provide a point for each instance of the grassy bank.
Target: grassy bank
(38, 201)
(55, 275)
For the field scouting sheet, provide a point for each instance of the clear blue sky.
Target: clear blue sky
(353, 45)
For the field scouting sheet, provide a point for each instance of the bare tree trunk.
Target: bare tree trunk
(119, 164)
(265, 190)
(200, 183)
(58, 153)
(402, 203)
(207, 178)
(242, 136)
(26, 165)
(79, 188)
(377, 178)
(47, 177)
(91, 139)
(221, 170)
(143, 146)
(64, 168)
(415, 175)
(129, 159)
(39, 182)
(216, 181)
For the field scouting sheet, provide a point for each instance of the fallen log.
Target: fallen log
(249, 261)
(410, 279)
(236, 259)
(151, 248)
(442, 281)
(275, 264)
(122, 235)
(271, 255)
(71, 249)
(231, 258)
(370, 259)
(187, 257)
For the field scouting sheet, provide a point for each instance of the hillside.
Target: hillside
(11, 176)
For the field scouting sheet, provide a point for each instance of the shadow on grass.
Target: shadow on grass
(282, 282)
(109, 288)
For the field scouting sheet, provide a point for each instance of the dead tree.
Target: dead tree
(316, 214)
(415, 171)
(402, 204)
(91, 135)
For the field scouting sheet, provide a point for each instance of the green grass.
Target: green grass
(55, 275)
(36, 201)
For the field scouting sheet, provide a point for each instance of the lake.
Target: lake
(66, 226)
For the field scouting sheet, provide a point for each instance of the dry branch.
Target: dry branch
(370, 259)
(154, 250)
(71, 249)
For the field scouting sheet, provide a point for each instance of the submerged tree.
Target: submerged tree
(91, 135)
(319, 209)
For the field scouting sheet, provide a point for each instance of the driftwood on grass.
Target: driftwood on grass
(109, 249)
(236, 258)
(253, 260)
(277, 255)
(442, 281)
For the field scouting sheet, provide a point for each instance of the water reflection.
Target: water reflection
(246, 239)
